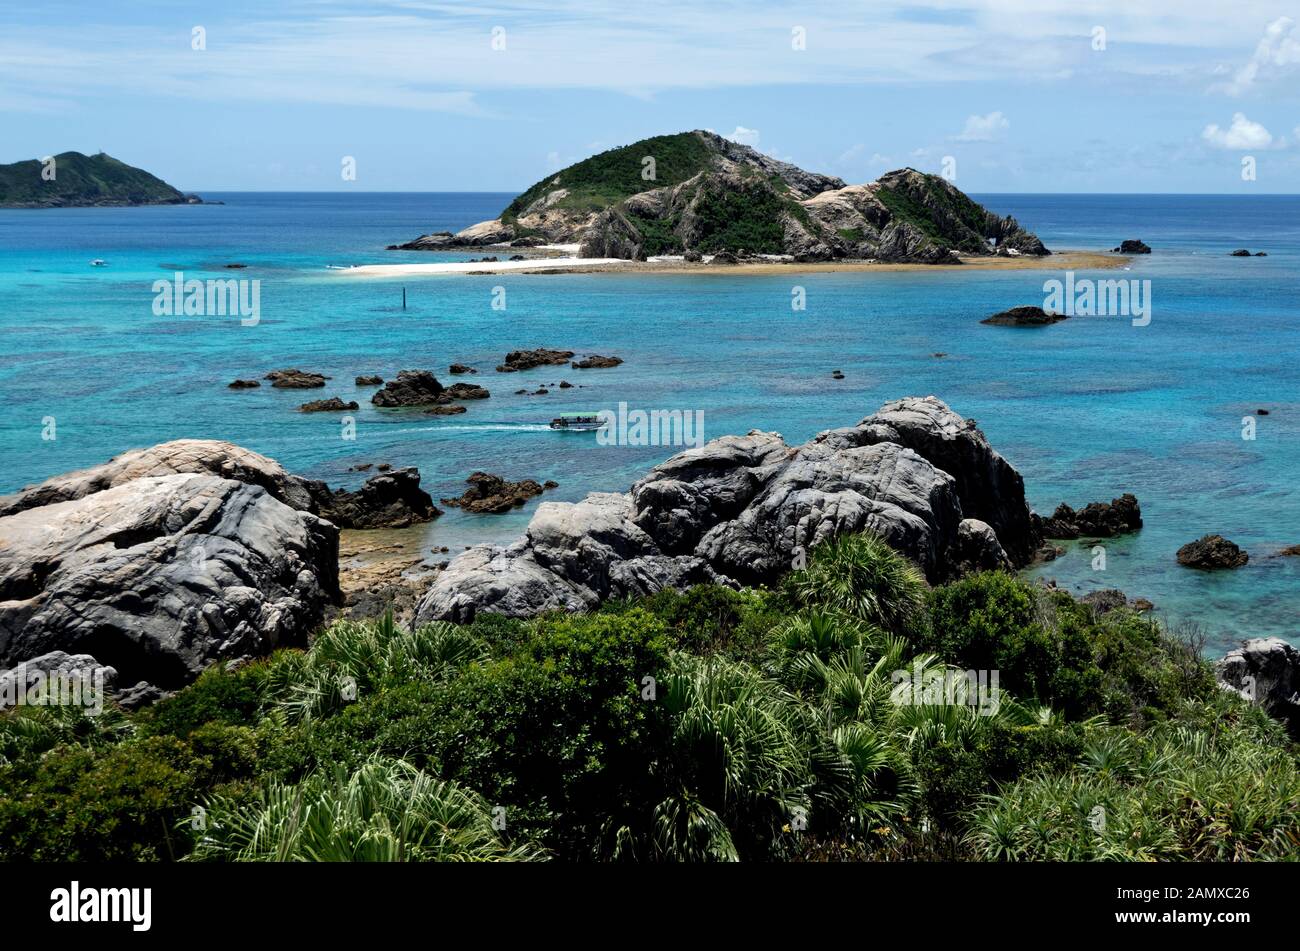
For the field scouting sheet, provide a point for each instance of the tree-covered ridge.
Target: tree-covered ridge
(609, 177)
(827, 718)
(80, 180)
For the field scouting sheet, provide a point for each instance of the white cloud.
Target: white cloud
(1274, 55)
(434, 55)
(1242, 134)
(743, 136)
(850, 154)
(984, 128)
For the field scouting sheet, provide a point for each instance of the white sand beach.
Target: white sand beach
(472, 267)
(672, 264)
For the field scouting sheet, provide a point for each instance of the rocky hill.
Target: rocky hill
(710, 195)
(84, 181)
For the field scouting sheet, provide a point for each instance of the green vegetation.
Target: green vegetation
(607, 178)
(940, 212)
(748, 217)
(82, 180)
(829, 718)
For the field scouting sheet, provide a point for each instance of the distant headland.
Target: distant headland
(74, 180)
(698, 194)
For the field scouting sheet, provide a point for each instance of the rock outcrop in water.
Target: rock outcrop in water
(709, 195)
(1023, 317)
(411, 388)
(527, 359)
(295, 379)
(1095, 520)
(1212, 553)
(491, 493)
(741, 509)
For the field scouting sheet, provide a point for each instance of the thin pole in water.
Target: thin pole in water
(403, 298)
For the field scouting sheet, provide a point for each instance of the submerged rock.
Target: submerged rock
(741, 509)
(369, 381)
(1212, 553)
(243, 384)
(458, 368)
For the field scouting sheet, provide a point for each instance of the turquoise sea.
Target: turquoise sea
(1086, 409)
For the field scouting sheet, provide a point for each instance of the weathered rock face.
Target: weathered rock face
(1212, 553)
(1265, 671)
(160, 576)
(207, 456)
(394, 502)
(1095, 520)
(740, 509)
(411, 388)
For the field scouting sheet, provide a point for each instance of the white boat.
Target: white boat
(577, 422)
(99, 262)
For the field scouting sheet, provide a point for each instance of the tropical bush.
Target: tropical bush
(830, 718)
(384, 811)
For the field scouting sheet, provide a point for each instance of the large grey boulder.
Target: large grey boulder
(392, 499)
(743, 509)
(159, 576)
(208, 456)
(1265, 670)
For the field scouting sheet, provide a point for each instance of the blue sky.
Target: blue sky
(1021, 93)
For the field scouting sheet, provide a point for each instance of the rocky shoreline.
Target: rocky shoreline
(166, 560)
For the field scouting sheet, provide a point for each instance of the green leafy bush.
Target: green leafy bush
(860, 576)
(384, 811)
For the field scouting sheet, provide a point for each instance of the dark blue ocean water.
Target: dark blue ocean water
(1086, 409)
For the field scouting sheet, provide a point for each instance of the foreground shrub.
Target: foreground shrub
(1176, 794)
(861, 577)
(995, 621)
(385, 811)
(82, 805)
